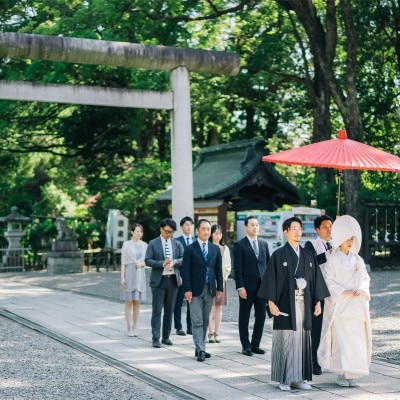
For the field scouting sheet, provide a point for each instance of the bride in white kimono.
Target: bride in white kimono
(346, 339)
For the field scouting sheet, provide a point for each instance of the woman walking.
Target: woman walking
(346, 339)
(133, 277)
(216, 310)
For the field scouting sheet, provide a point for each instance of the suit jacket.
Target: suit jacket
(183, 241)
(194, 269)
(155, 258)
(317, 247)
(248, 269)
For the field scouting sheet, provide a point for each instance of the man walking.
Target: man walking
(251, 256)
(186, 238)
(293, 287)
(202, 281)
(321, 247)
(164, 256)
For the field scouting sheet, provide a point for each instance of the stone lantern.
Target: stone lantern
(14, 231)
(14, 256)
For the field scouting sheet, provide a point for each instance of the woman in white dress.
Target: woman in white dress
(133, 277)
(346, 339)
(216, 310)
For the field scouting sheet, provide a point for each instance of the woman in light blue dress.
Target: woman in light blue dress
(133, 277)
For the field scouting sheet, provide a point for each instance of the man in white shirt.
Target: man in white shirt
(186, 239)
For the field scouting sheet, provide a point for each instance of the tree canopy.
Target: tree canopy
(308, 68)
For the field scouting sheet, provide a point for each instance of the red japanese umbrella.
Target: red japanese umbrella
(341, 154)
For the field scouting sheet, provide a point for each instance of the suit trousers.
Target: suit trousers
(200, 308)
(178, 311)
(164, 296)
(316, 334)
(260, 312)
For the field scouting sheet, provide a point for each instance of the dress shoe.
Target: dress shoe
(156, 344)
(317, 370)
(189, 331)
(247, 352)
(201, 356)
(167, 341)
(206, 355)
(180, 332)
(257, 350)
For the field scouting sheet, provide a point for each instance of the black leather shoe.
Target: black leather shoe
(316, 370)
(189, 331)
(201, 356)
(156, 344)
(180, 332)
(257, 350)
(167, 341)
(247, 352)
(206, 355)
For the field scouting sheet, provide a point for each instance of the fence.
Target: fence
(12, 259)
(101, 259)
(22, 259)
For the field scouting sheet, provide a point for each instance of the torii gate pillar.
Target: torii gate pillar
(181, 146)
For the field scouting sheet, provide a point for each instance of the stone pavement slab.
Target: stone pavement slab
(99, 324)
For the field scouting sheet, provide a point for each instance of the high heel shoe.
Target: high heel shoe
(211, 338)
(216, 338)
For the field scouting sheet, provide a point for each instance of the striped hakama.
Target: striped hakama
(291, 351)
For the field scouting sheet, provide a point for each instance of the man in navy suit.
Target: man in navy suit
(251, 256)
(202, 280)
(186, 238)
(164, 256)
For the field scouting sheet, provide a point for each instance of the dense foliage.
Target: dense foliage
(307, 69)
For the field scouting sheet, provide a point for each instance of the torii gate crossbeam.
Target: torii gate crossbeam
(178, 61)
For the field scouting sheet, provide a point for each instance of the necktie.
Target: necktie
(187, 241)
(255, 247)
(204, 251)
(205, 254)
(166, 250)
(328, 245)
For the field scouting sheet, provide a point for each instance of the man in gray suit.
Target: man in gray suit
(164, 255)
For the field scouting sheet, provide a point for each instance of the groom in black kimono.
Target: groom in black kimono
(293, 287)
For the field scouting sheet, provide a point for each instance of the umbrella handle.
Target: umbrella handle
(340, 174)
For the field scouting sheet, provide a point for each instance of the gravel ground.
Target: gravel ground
(36, 367)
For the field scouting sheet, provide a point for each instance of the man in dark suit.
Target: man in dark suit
(251, 256)
(321, 247)
(164, 256)
(186, 238)
(202, 280)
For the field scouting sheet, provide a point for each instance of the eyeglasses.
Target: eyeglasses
(168, 232)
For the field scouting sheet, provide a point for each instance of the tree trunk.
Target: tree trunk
(322, 38)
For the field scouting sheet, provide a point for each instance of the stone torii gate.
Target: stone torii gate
(178, 61)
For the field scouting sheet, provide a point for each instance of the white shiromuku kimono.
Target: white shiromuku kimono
(346, 339)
